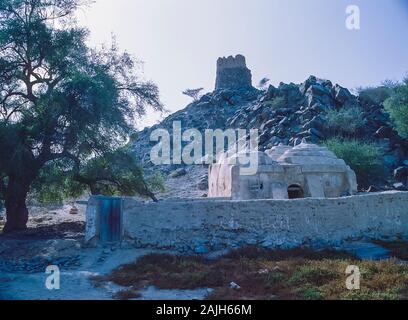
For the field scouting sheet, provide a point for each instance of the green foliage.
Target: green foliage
(397, 107)
(345, 121)
(156, 182)
(280, 275)
(114, 173)
(263, 83)
(277, 102)
(364, 158)
(56, 184)
(311, 274)
(193, 93)
(375, 95)
(310, 293)
(118, 173)
(60, 101)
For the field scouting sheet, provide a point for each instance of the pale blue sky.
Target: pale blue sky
(284, 40)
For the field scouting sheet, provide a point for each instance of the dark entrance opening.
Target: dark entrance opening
(295, 192)
(110, 219)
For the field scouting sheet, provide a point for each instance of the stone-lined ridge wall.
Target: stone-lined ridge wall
(207, 225)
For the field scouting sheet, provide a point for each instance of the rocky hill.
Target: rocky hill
(283, 115)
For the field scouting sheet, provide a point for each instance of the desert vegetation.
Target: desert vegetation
(345, 121)
(397, 107)
(299, 274)
(365, 158)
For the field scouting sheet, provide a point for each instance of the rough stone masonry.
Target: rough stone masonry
(232, 73)
(204, 225)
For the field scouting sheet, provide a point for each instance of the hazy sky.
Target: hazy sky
(284, 40)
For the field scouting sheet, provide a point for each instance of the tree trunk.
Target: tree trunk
(15, 203)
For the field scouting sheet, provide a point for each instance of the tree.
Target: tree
(114, 173)
(263, 83)
(193, 93)
(375, 95)
(59, 99)
(397, 107)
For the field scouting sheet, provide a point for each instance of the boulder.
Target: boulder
(400, 186)
(284, 122)
(74, 210)
(178, 173)
(401, 174)
(268, 124)
(306, 85)
(271, 92)
(203, 183)
(342, 95)
(317, 89)
(373, 189)
(385, 133)
(316, 122)
(314, 133)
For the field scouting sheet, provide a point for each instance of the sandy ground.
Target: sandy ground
(186, 186)
(55, 237)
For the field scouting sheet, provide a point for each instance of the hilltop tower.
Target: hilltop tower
(232, 73)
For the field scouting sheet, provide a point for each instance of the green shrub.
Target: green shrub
(312, 275)
(52, 187)
(156, 182)
(397, 107)
(364, 158)
(346, 120)
(276, 103)
(310, 293)
(375, 95)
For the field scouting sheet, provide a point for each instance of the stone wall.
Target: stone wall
(214, 224)
(232, 73)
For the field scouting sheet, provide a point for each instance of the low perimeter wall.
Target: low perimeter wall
(205, 225)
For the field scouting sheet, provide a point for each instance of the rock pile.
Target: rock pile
(283, 115)
(290, 113)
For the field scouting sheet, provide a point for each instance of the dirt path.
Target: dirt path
(55, 237)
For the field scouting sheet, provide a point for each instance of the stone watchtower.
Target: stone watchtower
(232, 73)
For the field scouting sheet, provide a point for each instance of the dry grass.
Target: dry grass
(398, 249)
(127, 294)
(265, 274)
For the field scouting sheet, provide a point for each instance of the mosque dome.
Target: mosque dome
(310, 154)
(242, 158)
(276, 152)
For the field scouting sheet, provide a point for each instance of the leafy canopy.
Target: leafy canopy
(397, 107)
(62, 104)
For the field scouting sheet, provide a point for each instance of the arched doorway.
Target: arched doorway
(295, 191)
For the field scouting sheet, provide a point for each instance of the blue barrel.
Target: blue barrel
(110, 219)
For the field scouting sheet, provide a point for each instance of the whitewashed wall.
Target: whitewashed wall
(208, 225)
